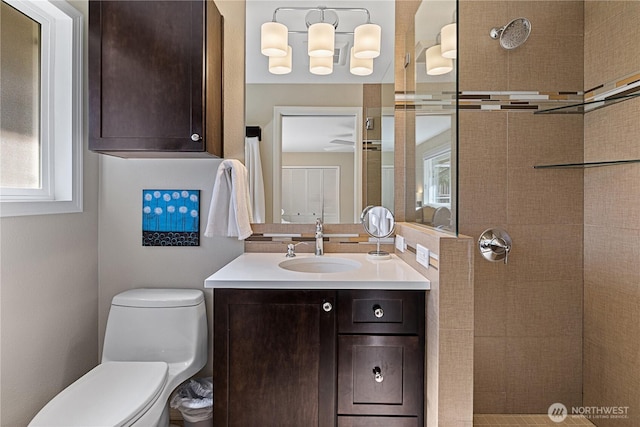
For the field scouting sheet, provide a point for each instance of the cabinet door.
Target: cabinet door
(379, 375)
(146, 79)
(274, 358)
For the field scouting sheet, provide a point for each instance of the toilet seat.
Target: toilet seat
(112, 394)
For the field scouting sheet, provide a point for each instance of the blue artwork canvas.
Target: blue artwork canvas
(170, 217)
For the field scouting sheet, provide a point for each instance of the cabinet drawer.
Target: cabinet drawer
(380, 312)
(377, 422)
(379, 375)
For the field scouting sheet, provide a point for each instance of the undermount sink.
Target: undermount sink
(319, 264)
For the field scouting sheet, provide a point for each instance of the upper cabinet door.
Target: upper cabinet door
(149, 87)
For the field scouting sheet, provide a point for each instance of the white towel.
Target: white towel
(256, 182)
(230, 210)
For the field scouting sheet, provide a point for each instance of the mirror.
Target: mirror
(435, 109)
(379, 223)
(327, 140)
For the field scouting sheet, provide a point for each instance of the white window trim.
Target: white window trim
(61, 113)
(432, 154)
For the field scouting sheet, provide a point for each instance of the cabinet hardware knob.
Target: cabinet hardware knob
(195, 137)
(378, 311)
(327, 306)
(377, 374)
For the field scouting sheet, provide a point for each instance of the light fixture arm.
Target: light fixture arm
(322, 10)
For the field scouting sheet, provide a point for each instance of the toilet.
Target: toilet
(155, 339)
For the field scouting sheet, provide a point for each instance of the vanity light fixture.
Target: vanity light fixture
(321, 65)
(281, 64)
(449, 37)
(322, 23)
(436, 63)
(360, 67)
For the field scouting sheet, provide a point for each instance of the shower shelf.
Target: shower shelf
(586, 165)
(585, 107)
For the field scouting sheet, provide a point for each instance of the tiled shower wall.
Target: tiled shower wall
(528, 313)
(612, 217)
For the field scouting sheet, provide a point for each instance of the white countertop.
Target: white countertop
(261, 271)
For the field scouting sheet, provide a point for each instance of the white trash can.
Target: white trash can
(194, 400)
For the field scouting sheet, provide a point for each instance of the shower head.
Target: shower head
(513, 34)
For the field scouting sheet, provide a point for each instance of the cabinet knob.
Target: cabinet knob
(378, 311)
(195, 137)
(327, 306)
(377, 374)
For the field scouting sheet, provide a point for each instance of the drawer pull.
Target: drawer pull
(377, 374)
(378, 311)
(327, 306)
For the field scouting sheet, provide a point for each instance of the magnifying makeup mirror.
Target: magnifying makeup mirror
(378, 222)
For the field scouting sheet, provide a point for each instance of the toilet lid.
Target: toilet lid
(111, 394)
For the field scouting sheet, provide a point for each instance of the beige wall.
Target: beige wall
(528, 313)
(48, 299)
(611, 217)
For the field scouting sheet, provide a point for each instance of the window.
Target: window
(437, 179)
(41, 108)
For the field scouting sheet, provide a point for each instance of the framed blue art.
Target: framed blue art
(170, 217)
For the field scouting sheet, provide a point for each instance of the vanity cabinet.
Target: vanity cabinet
(318, 358)
(155, 78)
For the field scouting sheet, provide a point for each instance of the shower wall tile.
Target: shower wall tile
(483, 142)
(543, 196)
(612, 219)
(612, 133)
(545, 252)
(610, 380)
(598, 14)
(490, 402)
(528, 324)
(541, 370)
(547, 62)
(563, 19)
(544, 308)
(613, 316)
(612, 258)
(538, 139)
(482, 63)
(611, 197)
(489, 364)
(611, 48)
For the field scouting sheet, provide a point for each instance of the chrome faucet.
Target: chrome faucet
(319, 238)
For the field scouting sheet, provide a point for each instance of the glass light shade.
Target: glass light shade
(281, 64)
(274, 38)
(321, 40)
(322, 65)
(360, 67)
(436, 64)
(449, 41)
(366, 41)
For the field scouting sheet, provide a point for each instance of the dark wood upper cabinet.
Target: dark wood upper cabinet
(155, 78)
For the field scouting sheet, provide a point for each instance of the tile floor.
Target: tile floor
(514, 420)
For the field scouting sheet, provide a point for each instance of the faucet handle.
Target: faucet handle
(318, 224)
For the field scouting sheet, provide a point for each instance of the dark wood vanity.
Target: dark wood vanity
(345, 358)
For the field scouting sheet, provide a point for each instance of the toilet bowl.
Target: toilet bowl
(155, 339)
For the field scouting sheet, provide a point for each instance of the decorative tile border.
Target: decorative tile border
(444, 102)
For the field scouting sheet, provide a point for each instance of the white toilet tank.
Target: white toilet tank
(167, 325)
